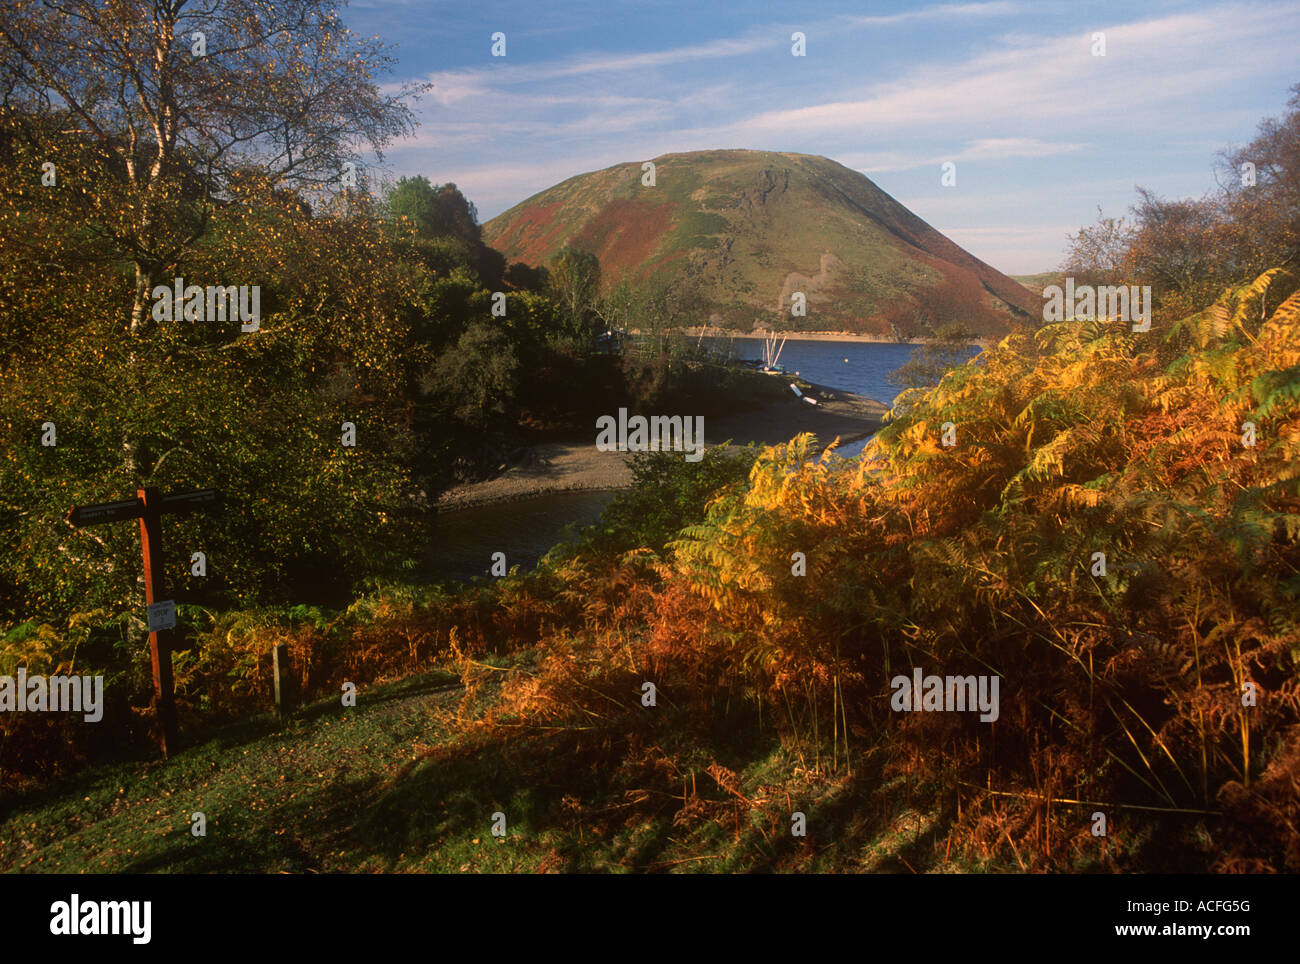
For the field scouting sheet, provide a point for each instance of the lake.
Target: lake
(860, 367)
(524, 530)
(464, 540)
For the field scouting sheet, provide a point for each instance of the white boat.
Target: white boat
(772, 354)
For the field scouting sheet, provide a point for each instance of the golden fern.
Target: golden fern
(1253, 299)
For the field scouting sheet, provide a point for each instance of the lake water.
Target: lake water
(464, 540)
(524, 530)
(860, 367)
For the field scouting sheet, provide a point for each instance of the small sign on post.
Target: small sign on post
(189, 501)
(90, 515)
(149, 507)
(162, 615)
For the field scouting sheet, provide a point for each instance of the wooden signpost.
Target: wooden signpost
(148, 506)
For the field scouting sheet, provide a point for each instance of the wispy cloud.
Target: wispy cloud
(711, 50)
(1054, 80)
(1007, 87)
(1000, 148)
(980, 149)
(943, 12)
(453, 86)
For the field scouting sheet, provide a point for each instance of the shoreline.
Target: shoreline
(576, 465)
(844, 336)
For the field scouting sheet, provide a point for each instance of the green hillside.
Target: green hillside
(1037, 282)
(755, 227)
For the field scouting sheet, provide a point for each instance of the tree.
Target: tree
(445, 226)
(1263, 201)
(434, 210)
(1189, 250)
(478, 379)
(1097, 254)
(260, 418)
(930, 362)
(899, 318)
(523, 277)
(575, 285)
(1182, 250)
(656, 307)
(190, 106)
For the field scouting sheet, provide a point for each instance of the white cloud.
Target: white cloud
(453, 86)
(1146, 113)
(1056, 82)
(943, 12)
(711, 50)
(1000, 148)
(980, 149)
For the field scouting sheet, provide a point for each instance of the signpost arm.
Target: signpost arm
(159, 641)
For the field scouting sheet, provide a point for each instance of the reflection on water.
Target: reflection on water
(464, 540)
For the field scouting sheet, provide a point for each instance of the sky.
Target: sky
(1041, 129)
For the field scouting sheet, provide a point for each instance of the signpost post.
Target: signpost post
(148, 506)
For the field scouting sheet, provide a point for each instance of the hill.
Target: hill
(755, 227)
(1037, 282)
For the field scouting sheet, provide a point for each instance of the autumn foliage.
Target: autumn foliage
(1123, 690)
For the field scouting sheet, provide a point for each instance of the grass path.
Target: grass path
(385, 787)
(276, 796)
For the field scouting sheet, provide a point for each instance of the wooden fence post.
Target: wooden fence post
(280, 668)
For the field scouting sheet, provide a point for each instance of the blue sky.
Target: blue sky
(1041, 130)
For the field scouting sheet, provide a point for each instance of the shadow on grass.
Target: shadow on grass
(613, 799)
(857, 825)
(292, 841)
(574, 800)
(215, 738)
(254, 728)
